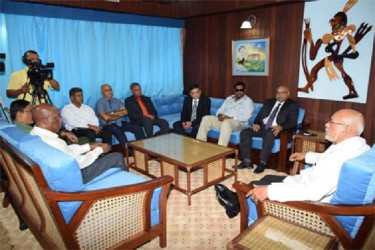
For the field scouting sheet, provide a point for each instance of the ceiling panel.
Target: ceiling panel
(181, 9)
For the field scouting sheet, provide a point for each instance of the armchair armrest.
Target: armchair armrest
(113, 217)
(316, 215)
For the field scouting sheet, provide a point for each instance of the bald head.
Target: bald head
(354, 119)
(47, 116)
(344, 124)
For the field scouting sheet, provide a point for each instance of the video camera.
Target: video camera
(39, 72)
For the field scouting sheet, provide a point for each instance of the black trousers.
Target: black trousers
(118, 132)
(177, 127)
(246, 140)
(100, 165)
(105, 134)
(148, 124)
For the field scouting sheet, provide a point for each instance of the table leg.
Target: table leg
(188, 188)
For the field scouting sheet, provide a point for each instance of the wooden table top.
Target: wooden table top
(186, 150)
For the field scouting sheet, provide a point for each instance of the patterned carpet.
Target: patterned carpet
(203, 225)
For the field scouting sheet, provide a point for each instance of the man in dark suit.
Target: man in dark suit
(195, 106)
(277, 114)
(142, 112)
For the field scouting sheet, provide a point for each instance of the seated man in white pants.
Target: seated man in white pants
(233, 115)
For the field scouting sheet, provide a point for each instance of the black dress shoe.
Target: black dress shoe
(244, 164)
(260, 168)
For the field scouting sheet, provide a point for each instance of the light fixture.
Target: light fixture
(249, 22)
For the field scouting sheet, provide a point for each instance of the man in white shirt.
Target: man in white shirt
(47, 125)
(81, 120)
(233, 115)
(319, 182)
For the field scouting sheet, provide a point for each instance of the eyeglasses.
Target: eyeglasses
(239, 90)
(281, 92)
(336, 123)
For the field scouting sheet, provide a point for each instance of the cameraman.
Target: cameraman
(19, 83)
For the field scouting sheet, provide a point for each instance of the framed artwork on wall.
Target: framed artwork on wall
(250, 57)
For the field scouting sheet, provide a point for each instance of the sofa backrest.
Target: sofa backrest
(168, 104)
(356, 185)
(215, 104)
(60, 170)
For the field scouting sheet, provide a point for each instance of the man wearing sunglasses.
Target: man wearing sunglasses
(277, 114)
(233, 115)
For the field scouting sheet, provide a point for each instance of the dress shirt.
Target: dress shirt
(240, 110)
(19, 78)
(194, 100)
(102, 105)
(81, 153)
(74, 117)
(274, 123)
(319, 182)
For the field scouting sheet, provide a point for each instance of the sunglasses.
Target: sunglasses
(239, 90)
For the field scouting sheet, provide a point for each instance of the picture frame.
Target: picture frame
(250, 57)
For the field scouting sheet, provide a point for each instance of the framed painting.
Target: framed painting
(250, 57)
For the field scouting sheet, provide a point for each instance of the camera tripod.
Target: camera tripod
(39, 93)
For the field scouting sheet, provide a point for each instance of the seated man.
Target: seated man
(48, 123)
(319, 182)
(142, 112)
(233, 115)
(195, 106)
(20, 112)
(111, 113)
(277, 114)
(81, 120)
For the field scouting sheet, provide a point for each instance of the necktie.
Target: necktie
(142, 106)
(272, 116)
(194, 110)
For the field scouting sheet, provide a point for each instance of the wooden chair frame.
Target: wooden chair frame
(325, 211)
(38, 206)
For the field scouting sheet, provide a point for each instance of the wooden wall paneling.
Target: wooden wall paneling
(283, 24)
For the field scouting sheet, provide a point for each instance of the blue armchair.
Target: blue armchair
(350, 215)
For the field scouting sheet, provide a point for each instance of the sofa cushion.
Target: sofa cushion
(171, 118)
(356, 185)
(215, 104)
(168, 104)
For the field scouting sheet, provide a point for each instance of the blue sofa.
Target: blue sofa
(349, 213)
(71, 201)
(169, 108)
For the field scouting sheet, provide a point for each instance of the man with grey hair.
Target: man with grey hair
(319, 182)
(111, 113)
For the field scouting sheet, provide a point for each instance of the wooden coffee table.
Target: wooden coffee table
(180, 153)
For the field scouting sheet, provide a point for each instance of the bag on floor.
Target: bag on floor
(228, 199)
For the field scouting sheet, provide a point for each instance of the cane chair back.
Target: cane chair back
(304, 144)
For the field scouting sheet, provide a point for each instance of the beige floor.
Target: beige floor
(203, 225)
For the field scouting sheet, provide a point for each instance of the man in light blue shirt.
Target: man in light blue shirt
(111, 113)
(233, 115)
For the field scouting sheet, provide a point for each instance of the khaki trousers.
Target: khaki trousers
(226, 127)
